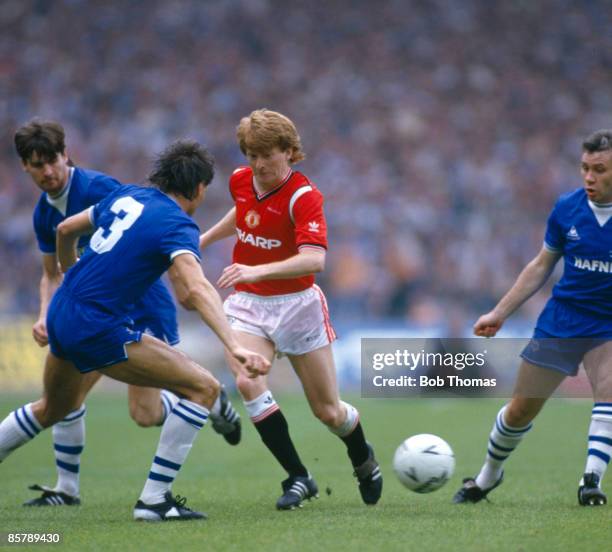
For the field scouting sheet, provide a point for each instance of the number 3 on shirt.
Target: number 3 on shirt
(132, 210)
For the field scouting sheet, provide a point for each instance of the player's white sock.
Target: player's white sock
(68, 443)
(352, 419)
(600, 439)
(19, 427)
(177, 436)
(260, 408)
(503, 439)
(168, 400)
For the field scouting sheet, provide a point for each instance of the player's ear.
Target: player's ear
(201, 191)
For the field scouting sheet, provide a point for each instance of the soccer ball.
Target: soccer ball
(424, 463)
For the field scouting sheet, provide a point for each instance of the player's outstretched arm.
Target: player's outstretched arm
(50, 280)
(225, 228)
(307, 261)
(530, 280)
(196, 291)
(68, 233)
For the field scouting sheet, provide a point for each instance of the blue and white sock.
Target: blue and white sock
(600, 439)
(19, 427)
(168, 400)
(503, 439)
(177, 436)
(68, 443)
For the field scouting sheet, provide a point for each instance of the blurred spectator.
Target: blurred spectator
(440, 132)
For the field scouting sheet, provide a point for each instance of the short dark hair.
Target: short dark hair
(600, 140)
(45, 138)
(180, 168)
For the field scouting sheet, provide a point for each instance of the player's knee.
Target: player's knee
(248, 387)
(144, 414)
(205, 391)
(602, 388)
(520, 413)
(329, 414)
(48, 413)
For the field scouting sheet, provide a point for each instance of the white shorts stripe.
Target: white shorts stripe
(331, 334)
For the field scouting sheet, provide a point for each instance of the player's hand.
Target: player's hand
(488, 324)
(238, 273)
(253, 363)
(39, 332)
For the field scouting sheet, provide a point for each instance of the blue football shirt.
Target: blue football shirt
(85, 188)
(139, 231)
(586, 244)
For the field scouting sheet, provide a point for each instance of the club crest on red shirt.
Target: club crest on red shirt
(252, 219)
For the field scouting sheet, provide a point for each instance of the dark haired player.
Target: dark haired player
(138, 234)
(66, 190)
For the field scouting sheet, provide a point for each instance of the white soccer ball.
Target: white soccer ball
(424, 463)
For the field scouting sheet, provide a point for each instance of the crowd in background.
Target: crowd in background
(439, 131)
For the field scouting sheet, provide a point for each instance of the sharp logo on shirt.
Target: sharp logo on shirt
(593, 265)
(272, 210)
(573, 234)
(252, 219)
(313, 226)
(257, 241)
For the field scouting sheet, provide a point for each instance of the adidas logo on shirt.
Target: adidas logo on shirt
(573, 234)
(313, 226)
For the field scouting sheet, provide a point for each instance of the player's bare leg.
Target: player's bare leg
(150, 407)
(271, 424)
(598, 366)
(317, 373)
(68, 444)
(145, 405)
(251, 388)
(533, 387)
(153, 363)
(63, 390)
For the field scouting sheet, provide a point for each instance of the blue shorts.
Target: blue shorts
(155, 314)
(563, 335)
(86, 335)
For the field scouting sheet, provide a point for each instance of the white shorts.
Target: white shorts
(296, 323)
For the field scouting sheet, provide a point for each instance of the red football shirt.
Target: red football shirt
(275, 226)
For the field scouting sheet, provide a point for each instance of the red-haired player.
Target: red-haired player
(277, 308)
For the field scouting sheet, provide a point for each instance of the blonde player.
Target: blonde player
(277, 308)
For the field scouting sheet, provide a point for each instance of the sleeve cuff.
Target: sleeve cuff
(178, 252)
(552, 249)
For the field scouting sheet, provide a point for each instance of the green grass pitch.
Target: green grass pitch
(535, 509)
